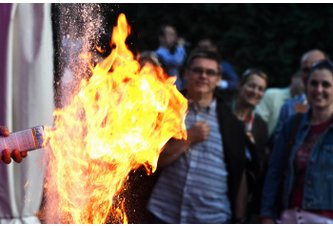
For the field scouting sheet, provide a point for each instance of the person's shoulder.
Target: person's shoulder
(161, 50)
(180, 48)
(299, 98)
(223, 106)
(259, 119)
(275, 91)
(295, 119)
(290, 102)
(225, 96)
(260, 122)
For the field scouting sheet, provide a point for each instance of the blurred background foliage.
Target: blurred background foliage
(270, 36)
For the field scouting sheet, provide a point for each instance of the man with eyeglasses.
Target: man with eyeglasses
(202, 178)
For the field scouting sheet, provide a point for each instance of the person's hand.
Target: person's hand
(199, 132)
(7, 155)
(4, 132)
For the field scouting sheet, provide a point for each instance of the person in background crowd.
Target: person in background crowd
(297, 86)
(171, 52)
(203, 178)
(302, 160)
(149, 57)
(230, 78)
(270, 106)
(298, 103)
(251, 89)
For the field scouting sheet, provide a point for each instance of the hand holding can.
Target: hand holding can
(16, 145)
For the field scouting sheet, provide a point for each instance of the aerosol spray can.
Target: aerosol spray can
(29, 140)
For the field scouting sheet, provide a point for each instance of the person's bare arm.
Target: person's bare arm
(175, 148)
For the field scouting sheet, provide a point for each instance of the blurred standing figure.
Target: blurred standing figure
(148, 57)
(269, 107)
(298, 102)
(171, 52)
(230, 78)
(274, 98)
(26, 74)
(297, 86)
(203, 177)
(304, 167)
(251, 89)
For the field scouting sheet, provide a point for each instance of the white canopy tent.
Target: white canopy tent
(26, 77)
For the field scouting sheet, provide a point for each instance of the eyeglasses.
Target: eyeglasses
(200, 70)
(324, 84)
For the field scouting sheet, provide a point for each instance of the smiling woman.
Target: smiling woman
(251, 89)
(320, 90)
(305, 170)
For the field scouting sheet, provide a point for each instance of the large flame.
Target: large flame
(120, 119)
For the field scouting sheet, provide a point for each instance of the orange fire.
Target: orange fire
(120, 119)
